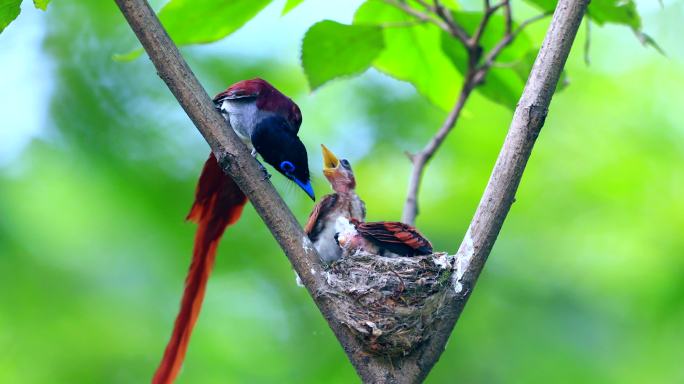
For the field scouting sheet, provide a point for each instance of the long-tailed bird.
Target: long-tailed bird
(267, 122)
(344, 202)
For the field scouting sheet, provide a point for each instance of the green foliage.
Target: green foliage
(332, 50)
(202, 21)
(615, 11)
(623, 12)
(9, 10)
(412, 53)
(290, 5)
(41, 4)
(505, 81)
(205, 21)
(602, 11)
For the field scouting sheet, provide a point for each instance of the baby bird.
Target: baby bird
(343, 203)
(382, 237)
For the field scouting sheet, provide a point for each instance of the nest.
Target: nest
(390, 303)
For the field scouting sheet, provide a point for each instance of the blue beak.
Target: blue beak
(306, 187)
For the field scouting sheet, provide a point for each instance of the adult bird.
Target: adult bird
(267, 121)
(343, 203)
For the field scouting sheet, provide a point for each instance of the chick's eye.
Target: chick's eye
(287, 166)
(345, 163)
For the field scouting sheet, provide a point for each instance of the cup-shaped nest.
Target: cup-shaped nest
(390, 303)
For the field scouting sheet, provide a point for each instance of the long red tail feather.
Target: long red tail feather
(218, 204)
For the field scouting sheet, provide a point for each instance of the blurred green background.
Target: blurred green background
(98, 166)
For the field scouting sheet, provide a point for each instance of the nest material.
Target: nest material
(390, 303)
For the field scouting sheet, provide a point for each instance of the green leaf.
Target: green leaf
(290, 5)
(130, 56)
(205, 21)
(622, 12)
(41, 4)
(506, 79)
(616, 12)
(201, 21)
(412, 54)
(331, 50)
(9, 10)
(603, 11)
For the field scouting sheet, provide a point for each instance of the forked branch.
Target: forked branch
(496, 201)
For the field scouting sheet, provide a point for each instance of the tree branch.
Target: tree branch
(489, 10)
(421, 158)
(418, 14)
(508, 17)
(456, 29)
(508, 39)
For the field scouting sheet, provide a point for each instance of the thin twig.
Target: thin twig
(508, 39)
(421, 159)
(474, 77)
(508, 17)
(456, 29)
(486, 15)
(418, 14)
(401, 24)
(476, 50)
(587, 42)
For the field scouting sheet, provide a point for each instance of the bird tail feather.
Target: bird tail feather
(218, 204)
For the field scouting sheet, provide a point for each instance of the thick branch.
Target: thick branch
(238, 163)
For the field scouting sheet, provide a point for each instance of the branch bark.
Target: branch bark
(496, 201)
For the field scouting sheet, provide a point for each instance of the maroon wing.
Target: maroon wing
(268, 98)
(243, 89)
(396, 237)
(314, 225)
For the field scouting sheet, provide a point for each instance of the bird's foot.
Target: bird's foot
(267, 175)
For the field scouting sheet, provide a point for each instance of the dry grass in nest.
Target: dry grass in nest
(390, 303)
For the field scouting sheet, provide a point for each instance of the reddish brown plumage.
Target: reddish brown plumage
(218, 204)
(395, 237)
(268, 98)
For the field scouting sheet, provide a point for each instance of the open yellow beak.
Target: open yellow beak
(330, 162)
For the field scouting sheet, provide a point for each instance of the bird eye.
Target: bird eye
(345, 163)
(287, 166)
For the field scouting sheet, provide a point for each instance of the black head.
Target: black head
(275, 141)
